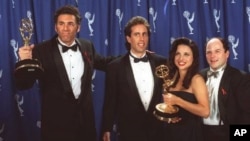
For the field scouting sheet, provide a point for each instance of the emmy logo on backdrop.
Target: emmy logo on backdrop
(163, 111)
(27, 67)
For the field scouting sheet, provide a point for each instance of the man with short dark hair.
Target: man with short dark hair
(132, 89)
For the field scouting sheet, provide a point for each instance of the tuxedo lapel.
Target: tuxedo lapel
(88, 67)
(224, 84)
(131, 80)
(157, 84)
(85, 53)
(204, 73)
(132, 83)
(130, 76)
(222, 92)
(61, 70)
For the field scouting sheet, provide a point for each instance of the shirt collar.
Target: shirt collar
(61, 42)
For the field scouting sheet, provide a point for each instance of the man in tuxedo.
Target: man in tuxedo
(68, 63)
(229, 92)
(132, 89)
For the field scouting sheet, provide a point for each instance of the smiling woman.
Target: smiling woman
(188, 92)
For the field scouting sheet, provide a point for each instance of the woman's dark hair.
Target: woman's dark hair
(193, 69)
(132, 22)
(68, 9)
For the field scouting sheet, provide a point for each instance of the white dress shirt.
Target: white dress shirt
(144, 80)
(213, 84)
(74, 65)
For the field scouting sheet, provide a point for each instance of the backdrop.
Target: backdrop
(103, 23)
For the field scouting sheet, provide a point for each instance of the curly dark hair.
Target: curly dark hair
(132, 22)
(193, 69)
(68, 9)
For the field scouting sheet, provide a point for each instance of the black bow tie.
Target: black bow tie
(143, 59)
(212, 73)
(65, 48)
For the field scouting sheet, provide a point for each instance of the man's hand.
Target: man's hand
(25, 52)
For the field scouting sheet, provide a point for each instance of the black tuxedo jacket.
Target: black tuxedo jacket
(123, 104)
(63, 116)
(233, 96)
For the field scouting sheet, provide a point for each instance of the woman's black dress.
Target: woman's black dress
(189, 128)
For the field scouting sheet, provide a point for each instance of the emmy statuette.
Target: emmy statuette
(163, 111)
(27, 67)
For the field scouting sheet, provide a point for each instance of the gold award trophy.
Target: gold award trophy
(27, 67)
(163, 111)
